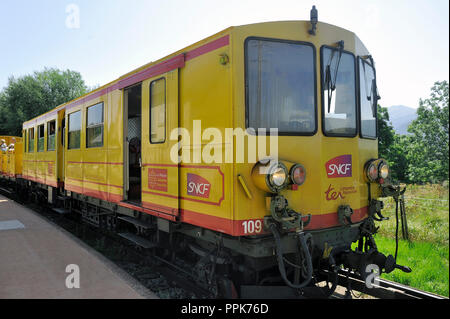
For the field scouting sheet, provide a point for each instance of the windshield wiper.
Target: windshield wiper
(375, 94)
(373, 97)
(330, 83)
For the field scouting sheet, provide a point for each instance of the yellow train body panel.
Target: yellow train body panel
(96, 170)
(4, 163)
(204, 82)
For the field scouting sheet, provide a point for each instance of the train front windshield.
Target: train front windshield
(280, 86)
(280, 89)
(339, 92)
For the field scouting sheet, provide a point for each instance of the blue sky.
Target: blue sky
(408, 39)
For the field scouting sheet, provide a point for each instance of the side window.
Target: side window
(24, 138)
(368, 99)
(51, 134)
(41, 138)
(158, 111)
(31, 140)
(63, 131)
(74, 130)
(94, 127)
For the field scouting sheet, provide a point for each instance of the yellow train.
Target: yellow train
(176, 153)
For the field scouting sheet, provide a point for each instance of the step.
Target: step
(145, 243)
(136, 222)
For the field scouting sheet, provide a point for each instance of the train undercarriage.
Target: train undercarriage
(294, 263)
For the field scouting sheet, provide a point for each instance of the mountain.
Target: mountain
(401, 116)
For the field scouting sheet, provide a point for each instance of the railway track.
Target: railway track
(168, 278)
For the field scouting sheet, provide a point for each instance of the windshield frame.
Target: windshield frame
(246, 86)
(359, 59)
(323, 93)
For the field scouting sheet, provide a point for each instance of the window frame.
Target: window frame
(63, 132)
(39, 138)
(95, 125)
(48, 135)
(246, 86)
(150, 111)
(25, 140)
(68, 129)
(34, 138)
(322, 95)
(359, 102)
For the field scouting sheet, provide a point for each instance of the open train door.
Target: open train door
(160, 174)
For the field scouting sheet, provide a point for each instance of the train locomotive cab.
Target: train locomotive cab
(319, 91)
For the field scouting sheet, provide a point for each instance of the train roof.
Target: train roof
(320, 25)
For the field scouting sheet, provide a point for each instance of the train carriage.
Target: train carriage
(256, 144)
(41, 150)
(11, 158)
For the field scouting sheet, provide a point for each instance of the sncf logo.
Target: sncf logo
(340, 166)
(197, 186)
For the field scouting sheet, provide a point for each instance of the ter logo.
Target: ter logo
(340, 166)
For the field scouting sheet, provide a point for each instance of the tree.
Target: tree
(29, 96)
(398, 159)
(391, 146)
(428, 153)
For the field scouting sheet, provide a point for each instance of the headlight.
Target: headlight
(383, 170)
(377, 171)
(298, 174)
(372, 172)
(270, 178)
(277, 177)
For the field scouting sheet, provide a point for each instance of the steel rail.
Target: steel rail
(384, 289)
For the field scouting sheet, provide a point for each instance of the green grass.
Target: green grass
(427, 252)
(426, 211)
(429, 264)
